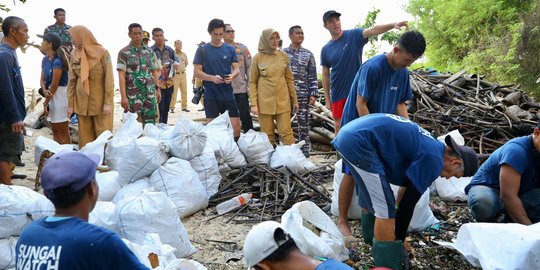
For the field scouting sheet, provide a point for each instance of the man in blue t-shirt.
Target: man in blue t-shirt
(380, 86)
(383, 149)
(509, 182)
(67, 240)
(268, 246)
(213, 64)
(341, 58)
(12, 104)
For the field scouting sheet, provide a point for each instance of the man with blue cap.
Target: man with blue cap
(66, 240)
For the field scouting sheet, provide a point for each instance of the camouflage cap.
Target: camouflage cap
(146, 35)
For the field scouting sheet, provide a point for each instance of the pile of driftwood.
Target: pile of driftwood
(274, 191)
(485, 113)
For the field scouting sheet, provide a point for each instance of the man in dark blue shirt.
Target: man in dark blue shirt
(12, 104)
(509, 181)
(383, 149)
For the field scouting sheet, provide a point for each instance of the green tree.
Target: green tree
(497, 38)
(391, 36)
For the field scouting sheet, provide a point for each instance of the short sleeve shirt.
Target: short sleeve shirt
(304, 70)
(343, 57)
(166, 58)
(393, 146)
(216, 61)
(138, 63)
(48, 66)
(520, 154)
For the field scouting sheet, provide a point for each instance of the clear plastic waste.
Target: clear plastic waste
(233, 203)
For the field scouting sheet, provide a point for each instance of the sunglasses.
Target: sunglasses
(229, 31)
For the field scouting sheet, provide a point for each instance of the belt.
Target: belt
(182, 73)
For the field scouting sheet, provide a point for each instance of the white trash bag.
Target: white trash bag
(19, 206)
(142, 160)
(355, 210)
(123, 140)
(499, 246)
(98, 145)
(153, 212)
(104, 216)
(220, 139)
(329, 244)
(132, 190)
(452, 189)
(43, 143)
(207, 168)
(181, 184)
(184, 264)
(152, 244)
(292, 157)
(256, 147)
(7, 252)
(188, 139)
(108, 185)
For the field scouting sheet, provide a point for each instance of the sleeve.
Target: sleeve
(367, 83)
(514, 156)
(359, 37)
(289, 78)
(175, 58)
(234, 56)
(109, 79)
(253, 81)
(72, 86)
(114, 254)
(186, 57)
(247, 60)
(7, 96)
(155, 62)
(57, 63)
(407, 91)
(46, 31)
(197, 59)
(313, 84)
(421, 177)
(121, 63)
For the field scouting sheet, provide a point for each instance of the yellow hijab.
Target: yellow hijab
(88, 55)
(264, 41)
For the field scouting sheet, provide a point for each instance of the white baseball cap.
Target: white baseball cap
(260, 242)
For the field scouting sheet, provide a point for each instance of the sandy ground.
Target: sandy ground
(205, 234)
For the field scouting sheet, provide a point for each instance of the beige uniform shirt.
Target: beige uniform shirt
(182, 62)
(271, 84)
(101, 87)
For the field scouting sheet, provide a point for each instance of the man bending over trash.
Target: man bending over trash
(383, 149)
(269, 247)
(509, 182)
(66, 240)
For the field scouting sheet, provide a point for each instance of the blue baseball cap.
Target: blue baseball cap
(69, 168)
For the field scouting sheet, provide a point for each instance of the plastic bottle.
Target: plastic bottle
(233, 203)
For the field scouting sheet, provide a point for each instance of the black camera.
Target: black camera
(197, 94)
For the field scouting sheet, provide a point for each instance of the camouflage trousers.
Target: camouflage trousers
(302, 118)
(144, 104)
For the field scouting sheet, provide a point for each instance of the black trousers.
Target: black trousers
(165, 104)
(242, 102)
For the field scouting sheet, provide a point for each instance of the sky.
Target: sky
(188, 21)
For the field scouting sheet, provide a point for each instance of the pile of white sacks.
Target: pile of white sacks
(158, 175)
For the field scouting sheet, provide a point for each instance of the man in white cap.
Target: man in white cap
(268, 247)
(66, 240)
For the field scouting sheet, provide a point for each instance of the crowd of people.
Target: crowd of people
(379, 145)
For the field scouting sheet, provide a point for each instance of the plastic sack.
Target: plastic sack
(7, 252)
(355, 210)
(181, 184)
(458, 138)
(123, 140)
(43, 143)
(153, 212)
(160, 132)
(152, 244)
(103, 215)
(452, 189)
(19, 206)
(329, 244)
(499, 246)
(98, 145)
(108, 185)
(220, 140)
(142, 160)
(256, 147)
(132, 190)
(184, 264)
(207, 168)
(292, 157)
(131, 128)
(189, 139)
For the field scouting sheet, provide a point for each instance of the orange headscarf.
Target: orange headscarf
(88, 54)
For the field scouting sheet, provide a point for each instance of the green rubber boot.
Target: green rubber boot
(368, 223)
(388, 254)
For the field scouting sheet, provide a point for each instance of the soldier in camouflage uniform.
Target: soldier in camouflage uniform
(138, 76)
(61, 28)
(304, 70)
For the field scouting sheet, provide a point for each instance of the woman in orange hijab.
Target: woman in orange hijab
(91, 85)
(271, 88)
